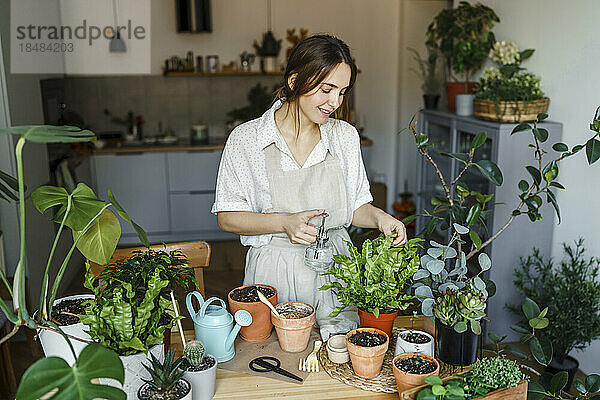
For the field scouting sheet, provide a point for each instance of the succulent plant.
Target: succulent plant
(449, 296)
(194, 352)
(164, 376)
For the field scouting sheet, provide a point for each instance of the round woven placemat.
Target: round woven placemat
(385, 381)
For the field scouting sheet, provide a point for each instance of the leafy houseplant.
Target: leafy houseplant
(166, 381)
(428, 71)
(572, 292)
(96, 231)
(375, 278)
(506, 93)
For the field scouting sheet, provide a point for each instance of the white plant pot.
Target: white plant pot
(203, 382)
(403, 346)
(135, 371)
(54, 344)
(464, 104)
(188, 396)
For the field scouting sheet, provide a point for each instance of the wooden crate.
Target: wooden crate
(518, 392)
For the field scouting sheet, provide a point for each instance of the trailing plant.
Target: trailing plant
(572, 292)
(463, 36)
(96, 231)
(374, 278)
(428, 71)
(164, 377)
(470, 209)
(450, 297)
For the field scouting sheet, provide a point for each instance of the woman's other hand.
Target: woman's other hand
(298, 229)
(391, 226)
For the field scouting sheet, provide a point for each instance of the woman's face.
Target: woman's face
(318, 104)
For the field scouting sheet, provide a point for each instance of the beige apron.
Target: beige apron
(281, 263)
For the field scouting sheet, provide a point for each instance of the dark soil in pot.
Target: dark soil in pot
(367, 339)
(207, 363)
(415, 365)
(383, 310)
(66, 312)
(415, 337)
(146, 393)
(248, 294)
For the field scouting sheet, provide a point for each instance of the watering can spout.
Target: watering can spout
(242, 318)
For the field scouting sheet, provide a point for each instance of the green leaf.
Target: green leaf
(138, 229)
(557, 185)
(50, 133)
(550, 171)
(577, 148)
(460, 327)
(462, 157)
(535, 174)
(490, 287)
(541, 116)
(475, 327)
(456, 390)
(530, 308)
(551, 198)
(473, 214)
(12, 184)
(560, 147)
(592, 150)
(535, 391)
(426, 394)
(559, 381)
(409, 219)
(95, 361)
(491, 171)
(460, 229)
(516, 351)
(484, 261)
(84, 207)
(592, 383)
(99, 242)
(520, 128)
(479, 140)
(541, 134)
(523, 185)
(45, 197)
(438, 390)
(580, 386)
(433, 380)
(421, 139)
(475, 239)
(541, 348)
(538, 323)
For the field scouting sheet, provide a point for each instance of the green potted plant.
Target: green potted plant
(507, 93)
(95, 232)
(132, 307)
(432, 81)
(463, 37)
(571, 290)
(166, 381)
(374, 280)
(200, 369)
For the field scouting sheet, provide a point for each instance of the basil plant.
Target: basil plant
(450, 297)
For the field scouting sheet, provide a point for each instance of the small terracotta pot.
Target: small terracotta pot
(405, 380)
(294, 333)
(367, 361)
(384, 322)
(454, 88)
(260, 328)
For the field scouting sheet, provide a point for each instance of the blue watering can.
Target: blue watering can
(213, 325)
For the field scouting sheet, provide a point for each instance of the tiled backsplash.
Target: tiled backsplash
(179, 102)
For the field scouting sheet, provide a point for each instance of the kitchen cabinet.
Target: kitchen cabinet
(168, 193)
(452, 134)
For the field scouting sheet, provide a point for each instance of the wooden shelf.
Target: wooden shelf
(229, 73)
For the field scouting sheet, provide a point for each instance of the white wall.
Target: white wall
(565, 36)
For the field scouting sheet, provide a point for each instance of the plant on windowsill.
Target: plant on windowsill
(374, 280)
(506, 93)
(96, 231)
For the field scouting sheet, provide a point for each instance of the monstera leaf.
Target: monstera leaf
(98, 243)
(74, 383)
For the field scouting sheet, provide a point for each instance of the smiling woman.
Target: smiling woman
(280, 171)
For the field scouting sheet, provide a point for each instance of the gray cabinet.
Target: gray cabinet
(452, 133)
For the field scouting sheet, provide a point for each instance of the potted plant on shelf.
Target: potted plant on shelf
(367, 347)
(246, 298)
(414, 341)
(132, 308)
(166, 382)
(572, 292)
(411, 369)
(374, 280)
(96, 231)
(463, 37)
(428, 71)
(293, 323)
(506, 93)
(200, 369)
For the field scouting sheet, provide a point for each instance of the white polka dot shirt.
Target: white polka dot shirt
(242, 183)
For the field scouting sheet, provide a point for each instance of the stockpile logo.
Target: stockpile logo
(80, 36)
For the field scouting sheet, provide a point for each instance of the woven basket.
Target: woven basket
(509, 111)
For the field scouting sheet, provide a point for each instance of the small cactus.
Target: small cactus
(194, 352)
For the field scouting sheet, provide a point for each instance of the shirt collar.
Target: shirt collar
(268, 132)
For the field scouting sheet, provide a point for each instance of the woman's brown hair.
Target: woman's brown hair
(311, 61)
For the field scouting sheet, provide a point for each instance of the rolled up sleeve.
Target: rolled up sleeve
(230, 193)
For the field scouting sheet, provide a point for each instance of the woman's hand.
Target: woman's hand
(298, 229)
(390, 226)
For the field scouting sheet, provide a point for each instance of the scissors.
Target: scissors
(269, 364)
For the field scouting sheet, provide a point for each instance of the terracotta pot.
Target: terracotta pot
(367, 361)
(407, 381)
(454, 88)
(385, 322)
(260, 328)
(294, 333)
